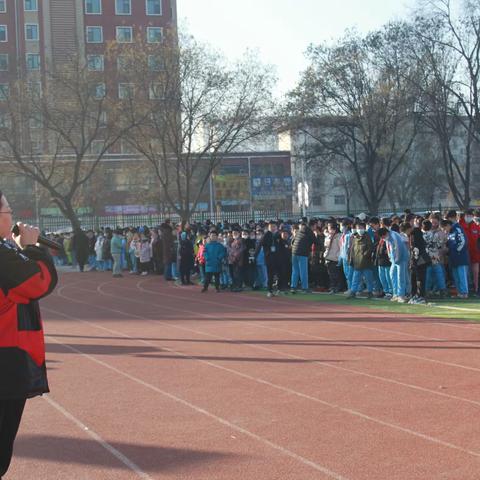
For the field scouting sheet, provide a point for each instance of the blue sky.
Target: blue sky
(282, 29)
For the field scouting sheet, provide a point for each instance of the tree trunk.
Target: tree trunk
(69, 212)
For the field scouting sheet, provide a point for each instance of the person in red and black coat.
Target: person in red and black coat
(27, 274)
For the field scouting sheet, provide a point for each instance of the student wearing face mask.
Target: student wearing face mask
(260, 267)
(457, 256)
(270, 244)
(235, 259)
(476, 253)
(301, 246)
(185, 258)
(331, 254)
(346, 234)
(360, 259)
(399, 257)
(225, 276)
(472, 232)
(248, 269)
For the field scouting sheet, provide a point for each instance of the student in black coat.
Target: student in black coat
(271, 244)
(186, 258)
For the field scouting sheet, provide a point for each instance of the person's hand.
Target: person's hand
(28, 235)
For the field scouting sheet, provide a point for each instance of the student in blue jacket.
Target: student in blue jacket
(214, 253)
(399, 256)
(457, 255)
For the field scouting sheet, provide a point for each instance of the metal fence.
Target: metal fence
(54, 224)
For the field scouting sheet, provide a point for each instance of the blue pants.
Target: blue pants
(348, 272)
(261, 276)
(225, 277)
(435, 277)
(92, 261)
(299, 270)
(167, 271)
(385, 279)
(398, 275)
(460, 277)
(133, 261)
(117, 263)
(357, 280)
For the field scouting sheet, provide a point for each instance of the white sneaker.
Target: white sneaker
(347, 293)
(269, 295)
(144, 273)
(401, 300)
(394, 298)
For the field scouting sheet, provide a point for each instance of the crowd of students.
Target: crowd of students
(404, 258)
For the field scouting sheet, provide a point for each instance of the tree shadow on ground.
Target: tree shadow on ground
(89, 452)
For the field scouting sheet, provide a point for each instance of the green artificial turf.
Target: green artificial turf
(467, 309)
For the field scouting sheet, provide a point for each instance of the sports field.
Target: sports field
(156, 381)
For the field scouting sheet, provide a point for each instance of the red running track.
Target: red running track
(156, 381)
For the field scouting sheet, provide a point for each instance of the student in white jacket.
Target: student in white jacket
(331, 255)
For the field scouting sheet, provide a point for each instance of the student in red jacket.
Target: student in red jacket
(26, 275)
(471, 226)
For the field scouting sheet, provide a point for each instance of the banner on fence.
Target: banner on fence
(130, 209)
(271, 188)
(56, 212)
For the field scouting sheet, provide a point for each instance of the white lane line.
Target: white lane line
(258, 325)
(314, 311)
(461, 309)
(294, 392)
(271, 350)
(248, 433)
(97, 438)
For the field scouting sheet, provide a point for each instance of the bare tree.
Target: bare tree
(357, 88)
(190, 108)
(58, 135)
(447, 47)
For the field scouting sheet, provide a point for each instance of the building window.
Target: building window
(95, 63)
(122, 63)
(94, 35)
(3, 6)
(155, 64)
(124, 34)
(97, 146)
(102, 120)
(5, 120)
(31, 32)
(35, 122)
(338, 182)
(93, 7)
(125, 90)
(33, 61)
(123, 7)
(154, 7)
(99, 91)
(31, 5)
(154, 34)
(3, 62)
(317, 200)
(3, 33)
(4, 91)
(156, 91)
(126, 148)
(339, 200)
(35, 89)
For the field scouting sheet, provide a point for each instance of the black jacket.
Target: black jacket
(272, 244)
(302, 242)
